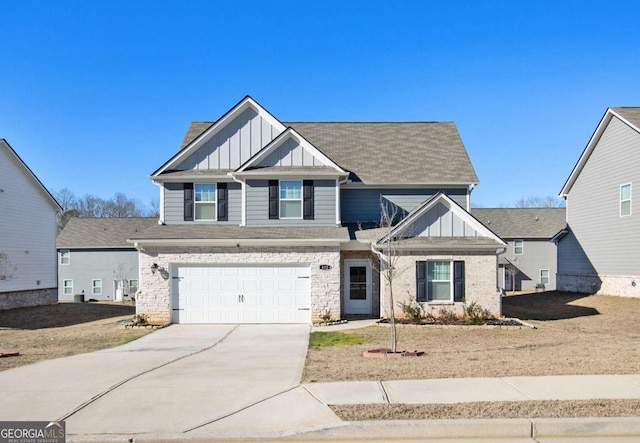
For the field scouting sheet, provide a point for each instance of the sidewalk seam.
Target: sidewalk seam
(133, 377)
(517, 388)
(385, 395)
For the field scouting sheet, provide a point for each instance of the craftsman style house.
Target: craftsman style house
(263, 221)
(27, 235)
(598, 249)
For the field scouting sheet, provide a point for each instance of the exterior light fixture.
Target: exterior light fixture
(154, 268)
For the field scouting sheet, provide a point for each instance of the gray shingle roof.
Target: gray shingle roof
(630, 114)
(185, 232)
(102, 232)
(522, 222)
(385, 152)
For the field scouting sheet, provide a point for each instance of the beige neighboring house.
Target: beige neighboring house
(27, 235)
(530, 262)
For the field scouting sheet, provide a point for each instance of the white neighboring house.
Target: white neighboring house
(598, 249)
(28, 274)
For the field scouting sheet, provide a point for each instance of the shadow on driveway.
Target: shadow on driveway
(551, 305)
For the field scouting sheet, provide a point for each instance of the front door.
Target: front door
(357, 287)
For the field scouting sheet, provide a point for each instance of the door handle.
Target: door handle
(240, 298)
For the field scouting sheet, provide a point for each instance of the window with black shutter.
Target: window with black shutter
(188, 201)
(223, 202)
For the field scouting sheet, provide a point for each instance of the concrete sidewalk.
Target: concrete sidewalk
(467, 390)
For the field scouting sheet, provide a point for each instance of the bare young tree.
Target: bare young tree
(537, 201)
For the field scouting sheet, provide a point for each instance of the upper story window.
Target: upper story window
(518, 247)
(64, 256)
(205, 201)
(290, 198)
(625, 200)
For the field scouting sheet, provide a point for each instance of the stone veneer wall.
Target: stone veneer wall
(620, 285)
(33, 297)
(480, 281)
(154, 296)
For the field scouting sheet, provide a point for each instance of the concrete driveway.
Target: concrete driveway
(184, 379)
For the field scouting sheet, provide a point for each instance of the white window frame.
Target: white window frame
(94, 287)
(515, 247)
(65, 287)
(65, 254)
(450, 281)
(280, 199)
(130, 285)
(208, 202)
(548, 277)
(626, 199)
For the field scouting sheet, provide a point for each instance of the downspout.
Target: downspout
(498, 254)
(471, 187)
(380, 278)
(243, 197)
(338, 201)
(161, 204)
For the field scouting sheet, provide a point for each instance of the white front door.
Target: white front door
(357, 287)
(241, 294)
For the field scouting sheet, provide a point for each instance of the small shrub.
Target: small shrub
(141, 319)
(446, 316)
(475, 313)
(326, 316)
(413, 311)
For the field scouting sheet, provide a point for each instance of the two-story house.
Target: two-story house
(598, 249)
(263, 221)
(530, 261)
(95, 262)
(27, 235)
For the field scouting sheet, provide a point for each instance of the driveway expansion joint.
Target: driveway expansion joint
(140, 374)
(385, 395)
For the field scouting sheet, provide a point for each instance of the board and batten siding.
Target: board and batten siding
(610, 242)
(174, 204)
(27, 231)
(440, 221)
(537, 254)
(290, 154)
(86, 265)
(258, 205)
(233, 145)
(363, 205)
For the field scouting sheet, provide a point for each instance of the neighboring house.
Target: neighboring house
(530, 261)
(27, 235)
(95, 260)
(267, 222)
(598, 250)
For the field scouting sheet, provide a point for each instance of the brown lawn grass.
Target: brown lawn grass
(46, 332)
(576, 334)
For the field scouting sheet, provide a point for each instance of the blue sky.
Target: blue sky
(95, 95)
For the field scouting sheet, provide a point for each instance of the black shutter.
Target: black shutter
(223, 202)
(274, 200)
(307, 200)
(421, 281)
(458, 281)
(188, 202)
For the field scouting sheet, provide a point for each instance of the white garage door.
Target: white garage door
(241, 294)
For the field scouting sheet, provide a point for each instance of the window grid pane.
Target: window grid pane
(439, 280)
(290, 189)
(96, 287)
(205, 211)
(68, 287)
(205, 192)
(290, 209)
(544, 276)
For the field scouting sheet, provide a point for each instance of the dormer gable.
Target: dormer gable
(225, 145)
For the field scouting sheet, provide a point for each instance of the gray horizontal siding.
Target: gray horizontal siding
(174, 204)
(572, 258)
(258, 205)
(609, 241)
(106, 265)
(537, 255)
(363, 205)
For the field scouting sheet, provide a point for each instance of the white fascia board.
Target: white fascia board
(243, 242)
(625, 121)
(497, 248)
(289, 133)
(245, 103)
(368, 185)
(586, 153)
(288, 173)
(454, 207)
(198, 178)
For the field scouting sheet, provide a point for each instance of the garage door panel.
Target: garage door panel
(242, 294)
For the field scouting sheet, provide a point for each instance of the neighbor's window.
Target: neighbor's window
(96, 287)
(544, 276)
(439, 280)
(625, 200)
(205, 201)
(64, 256)
(518, 247)
(67, 287)
(290, 199)
(133, 286)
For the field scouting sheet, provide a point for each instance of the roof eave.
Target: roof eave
(238, 242)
